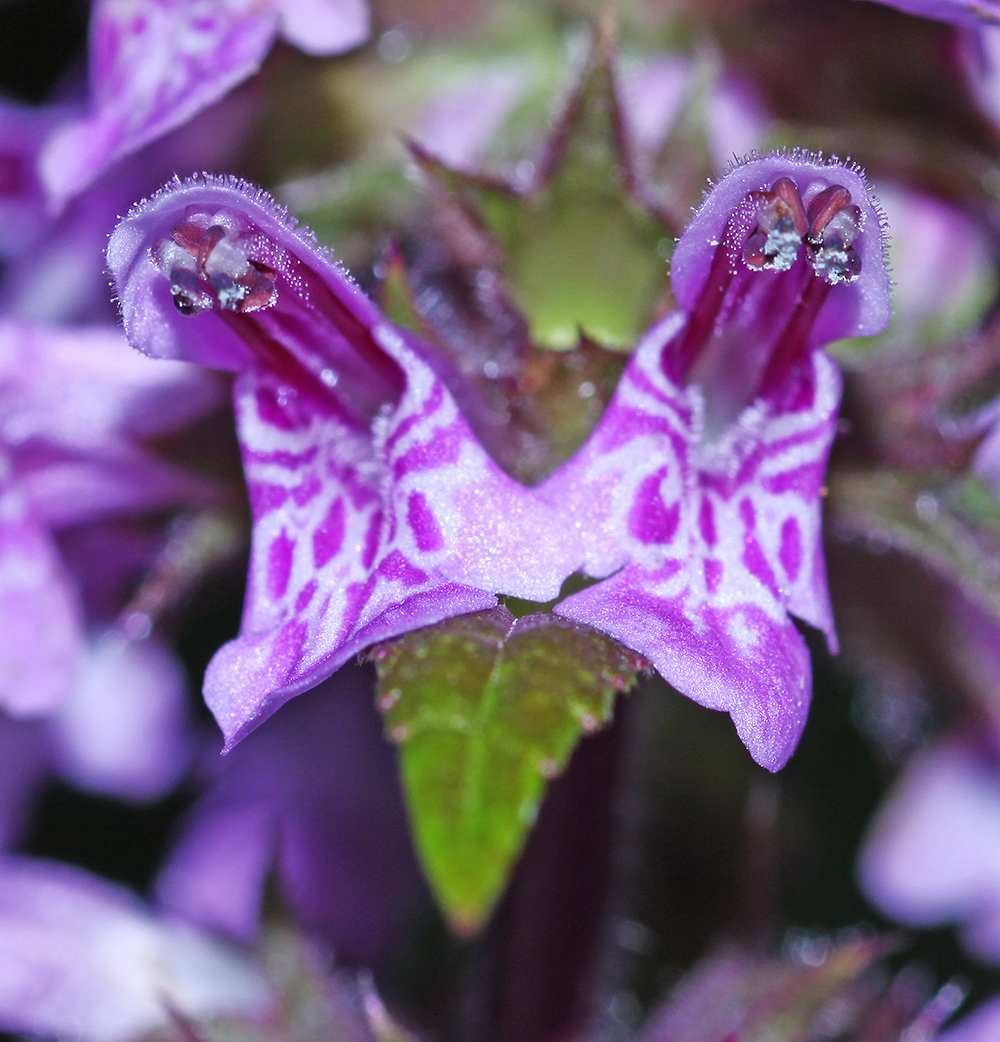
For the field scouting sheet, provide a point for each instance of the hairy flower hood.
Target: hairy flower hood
(698, 494)
(375, 509)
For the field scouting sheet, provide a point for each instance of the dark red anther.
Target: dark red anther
(188, 235)
(210, 238)
(781, 224)
(786, 190)
(824, 207)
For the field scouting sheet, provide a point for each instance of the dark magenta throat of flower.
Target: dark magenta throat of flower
(780, 255)
(292, 322)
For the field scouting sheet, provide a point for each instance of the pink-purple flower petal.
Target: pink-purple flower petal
(375, 508)
(81, 958)
(154, 64)
(701, 486)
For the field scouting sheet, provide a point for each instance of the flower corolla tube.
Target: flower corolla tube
(698, 495)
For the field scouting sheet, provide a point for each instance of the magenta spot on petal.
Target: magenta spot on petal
(650, 520)
(283, 458)
(371, 540)
(802, 480)
(790, 552)
(397, 568)
(442, 449)
(279, 564)
(429, 407)
(328, 537)
(713, 574)
(307, 490)
(306, 595)
(274, 412)
(356, 596)
(265, 497)
(748, 515)
(424, 524)
(706, 522)
(757, 565)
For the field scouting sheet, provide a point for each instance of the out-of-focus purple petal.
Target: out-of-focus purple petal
(41, 640)
(153, 66)
(652, 97)
(973, 14)
(460, 123)
(22, 199)
(81, 387)
(124, 731)
(216, 875)
(83, 959)
(932, 854)
(23, 767)
(375, 508)
(979, 54)
(981, 1025)
(313, 793)
(939, 255)
(324, 26)
(735, 120)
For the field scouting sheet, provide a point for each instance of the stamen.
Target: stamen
(781, 225)
(827, 228)
(207, 264)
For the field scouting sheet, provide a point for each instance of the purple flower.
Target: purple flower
(74, 405)
(310, 800)
(698, 495)
(932, 855)
(654, 94)
(376, 510)
(970, 13)
(981, 1025)
(154, 64)
(81, 958)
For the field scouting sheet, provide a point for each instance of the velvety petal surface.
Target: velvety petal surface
(375, 508)
(698, 495)
(721, 540)
(83, 959)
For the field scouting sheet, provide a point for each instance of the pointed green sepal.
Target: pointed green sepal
(485, 708)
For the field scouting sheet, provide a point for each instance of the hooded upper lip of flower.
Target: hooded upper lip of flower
(154, 65)
(699, 491)
(392, 516)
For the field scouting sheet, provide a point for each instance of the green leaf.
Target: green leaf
(485, 708)
(951, 524)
